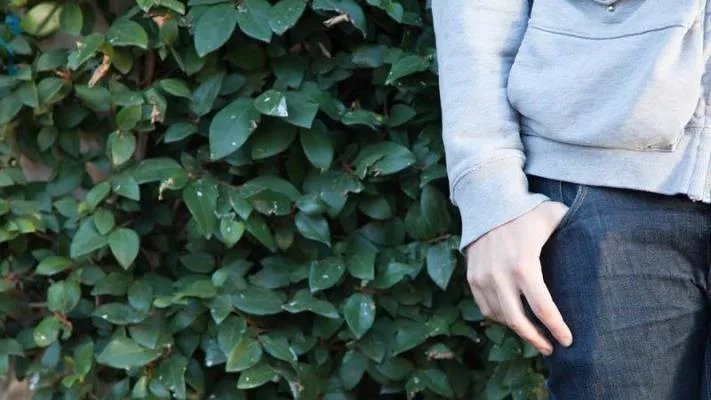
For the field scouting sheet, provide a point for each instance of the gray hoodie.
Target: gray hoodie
(597, 92)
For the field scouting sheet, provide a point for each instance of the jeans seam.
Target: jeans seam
(580, 195)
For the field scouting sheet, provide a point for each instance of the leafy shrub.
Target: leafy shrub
(232, 200)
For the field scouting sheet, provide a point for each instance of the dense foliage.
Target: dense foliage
(234, 199)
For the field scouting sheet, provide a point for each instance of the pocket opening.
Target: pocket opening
(573, 203)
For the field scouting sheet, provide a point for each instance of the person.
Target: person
(577, 141)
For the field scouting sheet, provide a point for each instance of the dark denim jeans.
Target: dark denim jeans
(629, 271)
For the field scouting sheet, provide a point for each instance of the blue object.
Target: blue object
(13, 23)
(629, 272)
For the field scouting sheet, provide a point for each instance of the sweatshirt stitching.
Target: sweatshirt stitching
(581, 36)
(473, 170)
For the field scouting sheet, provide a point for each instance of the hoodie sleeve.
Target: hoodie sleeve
(476, 43)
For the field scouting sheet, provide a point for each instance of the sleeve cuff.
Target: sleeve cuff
(492, 195)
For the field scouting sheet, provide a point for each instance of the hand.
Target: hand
(505, 262)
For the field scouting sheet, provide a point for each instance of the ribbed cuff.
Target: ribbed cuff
(492, 195)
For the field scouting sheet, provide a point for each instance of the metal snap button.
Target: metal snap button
(611, 8)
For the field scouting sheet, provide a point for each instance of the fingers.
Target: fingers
(541, 303)
(515, 318)
(499, 300)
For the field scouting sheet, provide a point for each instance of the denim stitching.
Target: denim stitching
(580, 195)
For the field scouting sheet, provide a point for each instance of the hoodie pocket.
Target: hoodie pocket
(609, 73)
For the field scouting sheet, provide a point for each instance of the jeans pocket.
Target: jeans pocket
(571, 194)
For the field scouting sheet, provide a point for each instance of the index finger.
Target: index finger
(541, 303)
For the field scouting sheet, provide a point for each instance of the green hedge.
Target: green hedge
(234, 200)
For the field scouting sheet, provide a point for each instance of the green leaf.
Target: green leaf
(128, 117)
(201, 198)
(317, 146)
(230, 333)
(324, 274)
(244, 355)
(202, 289)
(408, 335)
(175, 5)
(122, 145)
(85, 50)
(27, 93)
(383, 158)
(148, 332)
(119, 314)
(124, 32)
(352, 368)
(391, 274)
(10, 347)
(406, 65)
(231, 231)
(220, 307)
(258, 301)
(125, 185)
(63, 296)
(278, 347)
(140, 296)
(205, 94)
(161, 170)
(258, 228)
(302, 110)
(86, 240)
(305, 301)
(436, 381)
(253, 17)
(214, 28)
(97, 194)
(104, 221)
(46, 138)
(231, 127)
(72, 18)
(275, 137)
(441, 262)
(180, 131)
(362, 117)
(50, 90)
(124, 353)
(176, 87)
(47, 331)
(285, 14)
(115, 284)
(313, 227)
(198, 262)
(171, 373)
(53, 265)
(361, 263)
(84, 357)
(51, 60)
(257, 376)
(96, 98)
(42, 19)
(124, 244)
(375, 207)
(359, 312)
(9, 107)
(271, 102)
(434, 208)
